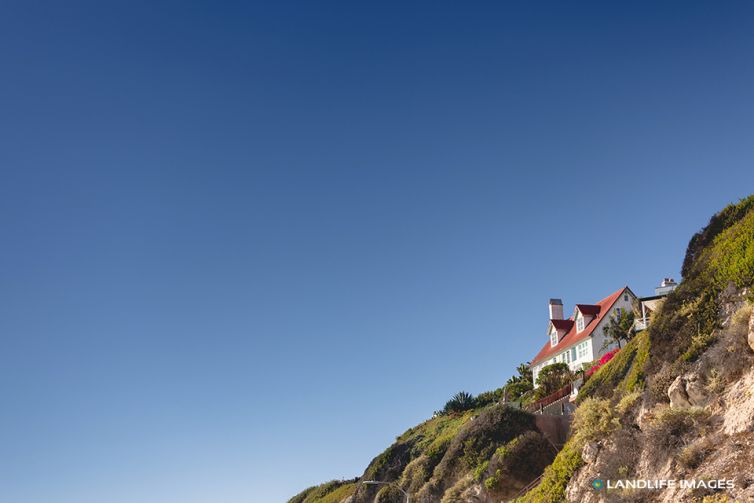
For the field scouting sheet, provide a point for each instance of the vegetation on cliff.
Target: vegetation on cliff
(694, 343)
(476, 449)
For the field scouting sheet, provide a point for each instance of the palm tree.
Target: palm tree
(460, 402)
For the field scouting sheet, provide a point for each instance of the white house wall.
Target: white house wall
(598, 335)
(594, 342)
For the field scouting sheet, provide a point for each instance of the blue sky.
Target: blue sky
(245, 245)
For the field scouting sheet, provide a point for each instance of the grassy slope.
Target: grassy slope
(624, 373)
(329, 492)
(430, 438)
(440, 453)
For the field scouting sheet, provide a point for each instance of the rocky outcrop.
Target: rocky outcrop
(751, 330)
(687, 390)
(590, 451)
(677, 393)
(696, 391)
(739, 415)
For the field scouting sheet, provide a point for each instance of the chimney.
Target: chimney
(556, 309)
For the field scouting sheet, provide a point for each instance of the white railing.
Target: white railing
(641, 324)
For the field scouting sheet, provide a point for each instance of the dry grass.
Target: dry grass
(670, 426)
(693, 454)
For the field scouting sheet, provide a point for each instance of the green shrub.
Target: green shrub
(475, 444)
(481, 470)
(719, 255)
(719, 222)
(699, 343)
(489, 397)
(493, 482)
(489, 430)
(732, 256)
(519, 460)
(715, 382)
(593, 419)
(329, 492)
(627, 402)
(624, 372)
(555, 478)
(636, 376)
(552, 378)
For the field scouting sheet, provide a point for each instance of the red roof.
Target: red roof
(588, 309)
(562, 324)
(598, 310)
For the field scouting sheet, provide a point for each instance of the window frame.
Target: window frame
(582, 350)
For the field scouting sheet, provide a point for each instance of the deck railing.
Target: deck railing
(544, 402)
(641, 324)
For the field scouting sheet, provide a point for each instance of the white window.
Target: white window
(625, 297)
(566, 357)
(618, 312)
(553, 338)
(582, 349)
(579, 324)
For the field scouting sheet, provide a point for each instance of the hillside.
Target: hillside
(676, 403)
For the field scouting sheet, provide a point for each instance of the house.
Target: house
(649, 305)
(580, 338)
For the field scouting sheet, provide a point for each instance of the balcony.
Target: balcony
(641, 324)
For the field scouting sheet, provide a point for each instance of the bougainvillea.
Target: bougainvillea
(605, 358)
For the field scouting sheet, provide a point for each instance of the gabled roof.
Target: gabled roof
(588, 309)
(562, 324)
(572, 337)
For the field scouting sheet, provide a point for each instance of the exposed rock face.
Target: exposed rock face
(687, 391)
(751, 330)
(677, 393)
(475, 494)
(590, 451)
(695, 390)
(615, 458)
(739, 416)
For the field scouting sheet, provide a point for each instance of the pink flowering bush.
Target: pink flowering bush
(605, 358)
(608, 356)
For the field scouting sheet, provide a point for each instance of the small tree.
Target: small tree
(619, 328)
(520, 384)
(553, 377)
(515, 391)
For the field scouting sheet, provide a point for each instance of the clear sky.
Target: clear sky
(246, 245)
